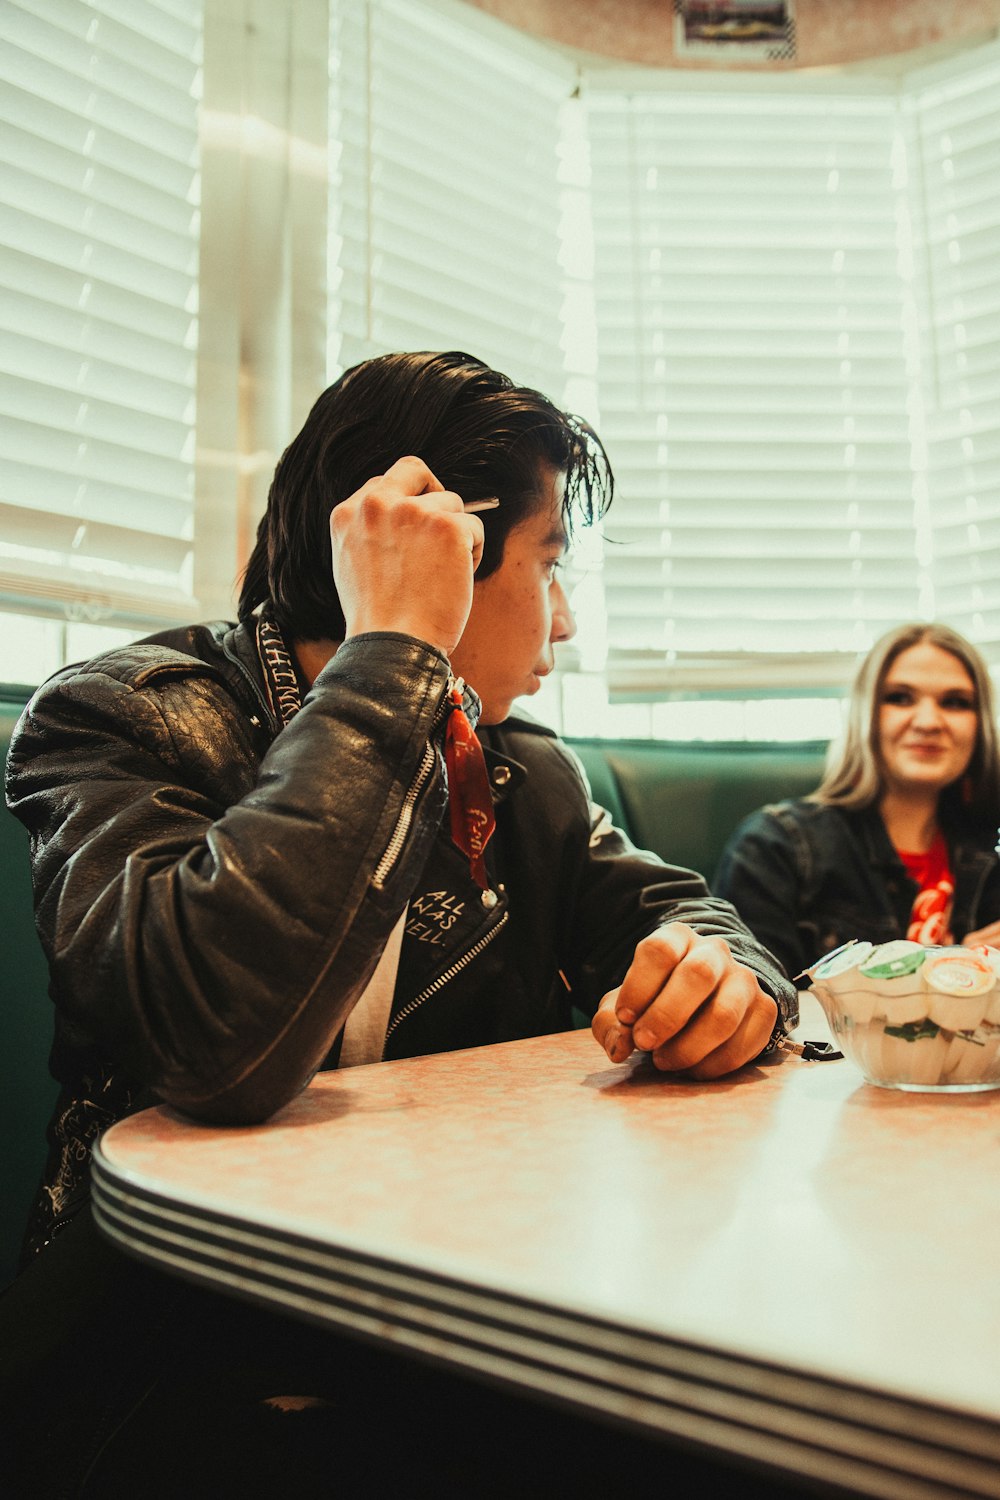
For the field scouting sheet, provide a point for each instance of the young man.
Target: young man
(265, 849)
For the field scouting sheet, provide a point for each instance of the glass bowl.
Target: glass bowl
(910, 1017)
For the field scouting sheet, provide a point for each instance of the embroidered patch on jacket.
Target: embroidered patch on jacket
(432, 915)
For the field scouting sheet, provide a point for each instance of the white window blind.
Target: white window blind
(755, 364)
(445, 192)
(956, 113)
(98, 306)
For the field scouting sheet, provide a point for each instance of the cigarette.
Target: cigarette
(490, 504)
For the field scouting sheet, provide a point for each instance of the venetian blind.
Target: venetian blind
(757, 351)
(98, 305)
(445, 193)
(956, 122)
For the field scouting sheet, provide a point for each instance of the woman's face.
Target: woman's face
(928, 719)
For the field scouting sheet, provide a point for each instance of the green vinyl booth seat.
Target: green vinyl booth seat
(681, 800)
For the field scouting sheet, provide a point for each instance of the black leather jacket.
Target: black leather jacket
(806, 877)
(212, 896)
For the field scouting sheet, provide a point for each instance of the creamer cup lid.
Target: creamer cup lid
(838, 960)
(988, 954)
(960, 972)
(895, 960)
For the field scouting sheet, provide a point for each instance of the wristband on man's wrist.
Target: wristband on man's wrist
(780, 1041)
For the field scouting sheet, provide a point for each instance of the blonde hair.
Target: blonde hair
(853, 775)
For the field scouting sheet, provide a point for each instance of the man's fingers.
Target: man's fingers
(478, 537)
(654, 961)
(410, 482)
(404, 556)
(688, 1002)
(615, 1038)
(747, 1042)
(725, 1033)
(413, 476)
(694, 979)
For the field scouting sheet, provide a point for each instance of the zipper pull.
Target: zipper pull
(470, 801)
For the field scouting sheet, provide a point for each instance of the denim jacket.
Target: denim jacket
(807, 877)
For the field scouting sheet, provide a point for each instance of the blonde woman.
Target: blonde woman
(899, 838)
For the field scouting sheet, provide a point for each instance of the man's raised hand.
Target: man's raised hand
(404, 556)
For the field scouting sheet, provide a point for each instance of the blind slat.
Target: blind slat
(98, 305)
(435, 241)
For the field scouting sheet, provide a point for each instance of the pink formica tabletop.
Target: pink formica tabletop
(792, 1217)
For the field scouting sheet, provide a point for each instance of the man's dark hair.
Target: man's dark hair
(478, 433)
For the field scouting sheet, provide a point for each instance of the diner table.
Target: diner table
(789, 1268)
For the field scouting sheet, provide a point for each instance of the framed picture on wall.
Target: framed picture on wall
(734, 31)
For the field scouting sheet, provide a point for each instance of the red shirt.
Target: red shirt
(930, 919)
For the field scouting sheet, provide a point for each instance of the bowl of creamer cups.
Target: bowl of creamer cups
(910, 1017)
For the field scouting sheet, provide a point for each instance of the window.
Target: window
(754, 381)
(98, 311)
(445, 190)
(777, 297)
(956, 114)
(798, 310)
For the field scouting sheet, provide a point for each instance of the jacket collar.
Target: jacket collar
(874, 840)
(505, 774)
(226, 649)
(236, 645)
(881, 853)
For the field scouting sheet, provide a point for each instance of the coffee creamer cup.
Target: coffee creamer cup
(891, 974)
(959, 985)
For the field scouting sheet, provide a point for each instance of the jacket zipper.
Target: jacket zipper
(417, 785)
(255, 690)
(405, 818)
(445, 978)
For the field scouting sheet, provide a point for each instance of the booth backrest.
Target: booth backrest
(680, 800)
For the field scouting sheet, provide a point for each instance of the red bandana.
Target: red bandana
(472, 819)
(930, 919)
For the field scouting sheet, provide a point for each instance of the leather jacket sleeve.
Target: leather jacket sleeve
(624, 893)
(762, 873)
(211, 936)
